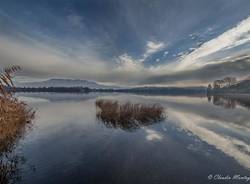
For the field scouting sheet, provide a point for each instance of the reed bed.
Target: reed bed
(14, 114)
(128, 116)
(14, 118)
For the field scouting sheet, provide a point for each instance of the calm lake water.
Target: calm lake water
(200, 137)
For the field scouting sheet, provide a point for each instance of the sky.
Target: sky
(126, 42)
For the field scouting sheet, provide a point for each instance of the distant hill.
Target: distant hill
(79, 86)
(193, 91)
(65, 83)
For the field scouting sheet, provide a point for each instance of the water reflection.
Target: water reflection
(128, 116)
(197, 139)
(224, 137)
(10, 161)
(230, 102)
(227, 129)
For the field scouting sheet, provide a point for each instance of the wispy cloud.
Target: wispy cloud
(40, 59)
(238, 66)
(152, 47)
(77, 43)
(127, 63)
(203, 55)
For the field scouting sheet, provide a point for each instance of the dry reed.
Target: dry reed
(128, 116)
(14, 116)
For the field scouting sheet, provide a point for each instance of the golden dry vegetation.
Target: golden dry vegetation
(14, 118)
(128, 116)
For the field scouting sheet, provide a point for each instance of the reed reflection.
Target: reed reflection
(128, 116)
(10, 161)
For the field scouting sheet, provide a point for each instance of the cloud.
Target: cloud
(40, 59)
(216, 58)
(165, 53)
(81, 56)
(127, 63)
(236, 36)
(239, 67)
(152, 47)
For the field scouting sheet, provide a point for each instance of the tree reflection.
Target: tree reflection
(128, 116)
(230, 102)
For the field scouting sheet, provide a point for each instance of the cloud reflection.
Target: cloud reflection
(230, 145)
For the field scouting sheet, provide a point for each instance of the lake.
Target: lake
(202, 140)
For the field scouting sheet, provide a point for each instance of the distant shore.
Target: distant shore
(200, 91)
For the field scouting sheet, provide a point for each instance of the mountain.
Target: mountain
(65, 83)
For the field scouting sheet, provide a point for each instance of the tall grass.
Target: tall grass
(14, 116)
(6, 82)
(128, 116)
